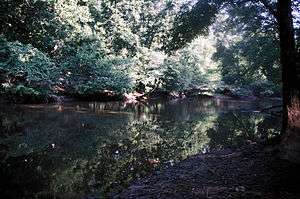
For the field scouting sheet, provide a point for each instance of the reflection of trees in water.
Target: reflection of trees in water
(67, 130)
(236, 129)
(104, 149)
(137, 149)
(172, 110)
(78, 151)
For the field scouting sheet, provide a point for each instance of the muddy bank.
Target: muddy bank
(251, 172)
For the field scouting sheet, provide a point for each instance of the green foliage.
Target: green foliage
(25, 70)
(31, 22)
(191, 67)
(248, 49)
(98, 46)
(177, 77)
(192, 22)
(89, 72)
(118, 25)
(248, 60)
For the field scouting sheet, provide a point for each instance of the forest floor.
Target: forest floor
(253, 171)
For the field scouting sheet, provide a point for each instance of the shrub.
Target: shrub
(24, 70)
(89, 72)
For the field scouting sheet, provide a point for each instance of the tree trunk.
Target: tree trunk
(290, 84)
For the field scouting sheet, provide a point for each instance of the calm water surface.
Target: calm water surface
(92, 149)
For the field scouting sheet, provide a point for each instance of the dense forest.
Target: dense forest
(95, 94)
(102, 48)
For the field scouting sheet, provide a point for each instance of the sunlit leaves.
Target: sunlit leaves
(25, 69)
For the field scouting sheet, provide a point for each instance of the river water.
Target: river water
(93, 149)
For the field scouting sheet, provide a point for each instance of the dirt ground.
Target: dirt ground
(254, 171)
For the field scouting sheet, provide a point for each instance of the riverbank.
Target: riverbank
(133, 97)
(254, 171)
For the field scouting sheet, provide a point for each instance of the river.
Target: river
(93, 149)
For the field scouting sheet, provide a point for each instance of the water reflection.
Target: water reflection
(81, 149)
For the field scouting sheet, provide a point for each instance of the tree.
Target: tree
(290, 79)
(248, 49)
(282, 11)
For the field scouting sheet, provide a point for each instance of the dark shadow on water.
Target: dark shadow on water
(81, 149)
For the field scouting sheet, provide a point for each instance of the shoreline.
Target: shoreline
(253, 171)
(131, 98)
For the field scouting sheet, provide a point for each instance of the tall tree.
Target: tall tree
(282, 11)
(290, 79)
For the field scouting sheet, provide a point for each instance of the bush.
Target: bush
(89, 72)
(24, 70)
